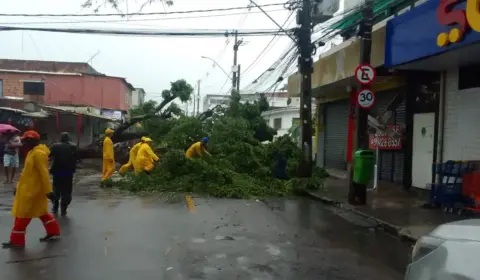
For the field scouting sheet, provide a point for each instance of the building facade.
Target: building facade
(61, 96)
(275, 100)
(282, 119)
(399, 95)
(425, 40)
(138, 97)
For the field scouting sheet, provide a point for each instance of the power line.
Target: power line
(132, 32)
(291, 52)
(138, 14)
(137, 20)
(267, 46)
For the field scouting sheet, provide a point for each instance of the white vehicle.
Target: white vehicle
(451, 251)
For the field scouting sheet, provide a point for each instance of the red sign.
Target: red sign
(385, 142)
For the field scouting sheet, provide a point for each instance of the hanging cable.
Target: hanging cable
(139, 14)
(116, 21)
(133, 32)
(267, 46)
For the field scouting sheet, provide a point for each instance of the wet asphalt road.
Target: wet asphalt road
(112, 236)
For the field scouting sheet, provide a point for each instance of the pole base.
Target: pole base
(358, 194)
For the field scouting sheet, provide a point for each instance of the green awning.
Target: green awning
(380, 7)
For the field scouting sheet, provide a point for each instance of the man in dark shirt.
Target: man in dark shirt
(64, 165)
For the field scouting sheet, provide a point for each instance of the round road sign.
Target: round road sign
(365, 74)
(366, 98)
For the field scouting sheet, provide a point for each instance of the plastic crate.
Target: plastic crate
(471, 184)
(445, 193)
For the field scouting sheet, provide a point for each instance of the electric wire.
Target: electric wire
(326, 26)
(133, 32)
(267, 46)
(138, 14)
(118, 21)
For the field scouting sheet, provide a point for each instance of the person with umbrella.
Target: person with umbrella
(10, 153)
(64, 156)
(32, 194)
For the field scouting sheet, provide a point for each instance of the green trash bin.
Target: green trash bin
(364, 165)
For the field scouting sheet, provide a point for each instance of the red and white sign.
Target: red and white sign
(385, 142)
(365, 74)
(366, 98)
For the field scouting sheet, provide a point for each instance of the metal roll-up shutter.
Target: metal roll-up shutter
(336, 133)
(386, 158)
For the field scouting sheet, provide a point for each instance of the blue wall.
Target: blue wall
(413, 35)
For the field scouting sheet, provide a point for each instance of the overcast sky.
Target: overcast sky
(150, 63)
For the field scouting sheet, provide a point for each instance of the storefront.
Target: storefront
(445, 126)
(391, 150)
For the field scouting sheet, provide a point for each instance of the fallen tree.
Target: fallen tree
(241, 166)
(151, 115)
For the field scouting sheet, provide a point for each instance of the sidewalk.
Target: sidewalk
(397, 210)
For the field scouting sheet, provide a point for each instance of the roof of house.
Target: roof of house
(53, 68)
(48, 66)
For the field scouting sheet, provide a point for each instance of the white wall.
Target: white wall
(286, 114)
(137, 97)
(461, 126)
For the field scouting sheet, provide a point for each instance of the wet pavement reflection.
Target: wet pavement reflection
(110, 235)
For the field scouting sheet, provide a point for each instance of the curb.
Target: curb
(387, 227)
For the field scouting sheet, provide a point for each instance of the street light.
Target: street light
(215, 63)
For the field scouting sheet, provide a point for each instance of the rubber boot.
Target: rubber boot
(10, 245)
(64, 210)
(55, 208)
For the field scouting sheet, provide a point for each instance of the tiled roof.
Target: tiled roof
(48, 66)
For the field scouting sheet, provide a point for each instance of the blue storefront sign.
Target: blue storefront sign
(432, 28)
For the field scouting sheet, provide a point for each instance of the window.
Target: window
(277, 123)
(33, 88)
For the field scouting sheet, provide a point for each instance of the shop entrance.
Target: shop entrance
(423, 143)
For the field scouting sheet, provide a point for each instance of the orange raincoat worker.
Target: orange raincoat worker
(132, 157)
(145, 157)
(108, 156)
(32, 193)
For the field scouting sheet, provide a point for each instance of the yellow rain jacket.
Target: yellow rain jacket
(132, 156)
(145, 158)
(196, 150)
(31, 196)
(108, 159)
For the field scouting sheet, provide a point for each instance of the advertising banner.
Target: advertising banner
(385, 142)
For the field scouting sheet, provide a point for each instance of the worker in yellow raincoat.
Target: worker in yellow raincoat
(132, 158)
(145, 157)
(198, 149)
(32, 193)
(108, 156)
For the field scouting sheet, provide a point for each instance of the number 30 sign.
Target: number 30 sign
(366, 98)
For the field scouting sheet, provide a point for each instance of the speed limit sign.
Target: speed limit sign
(366, 98)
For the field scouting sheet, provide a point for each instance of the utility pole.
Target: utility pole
(198, 98)
(236, 68)
(238, 79)
(194, 104)
(305, 66)
(365, 33)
